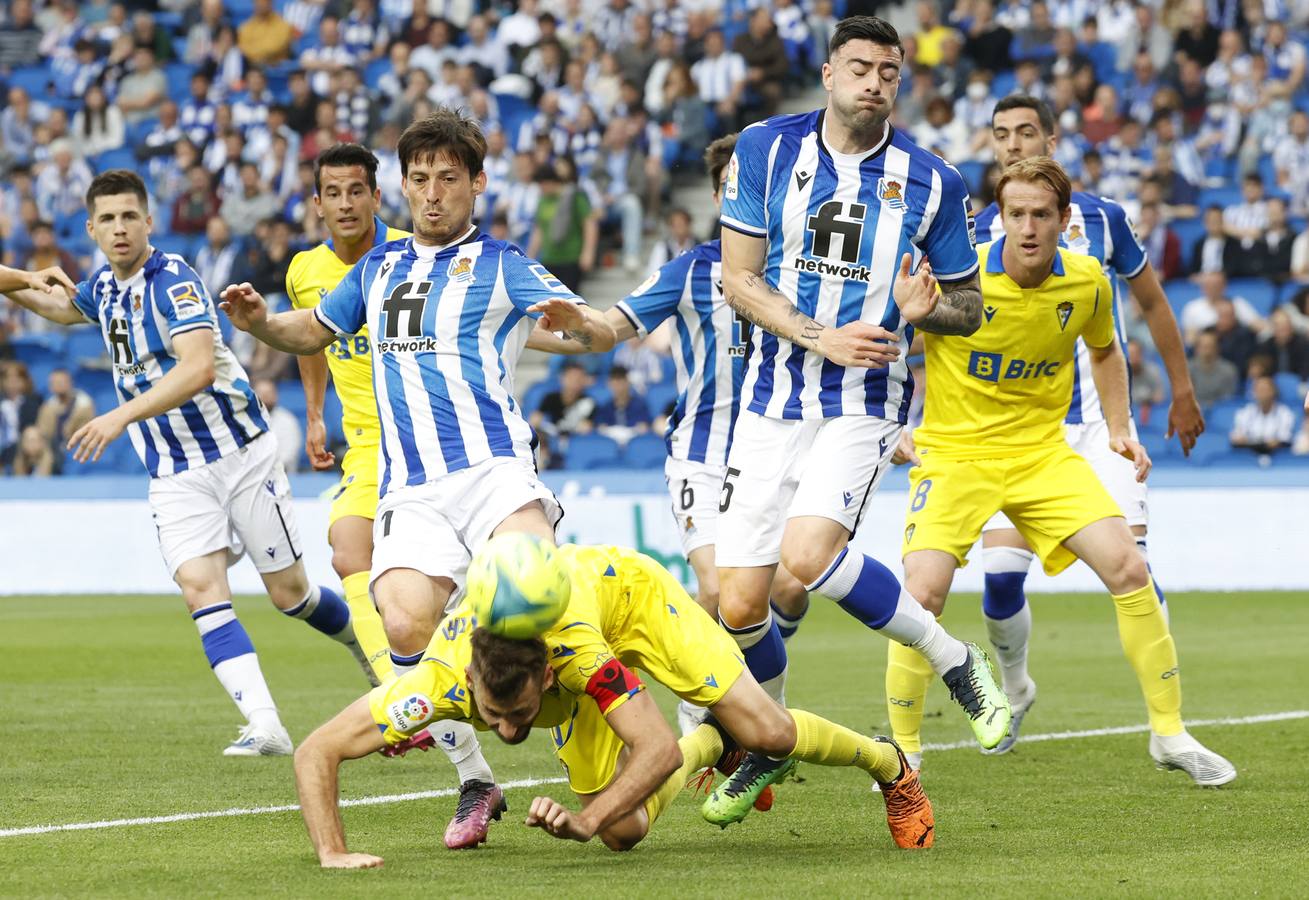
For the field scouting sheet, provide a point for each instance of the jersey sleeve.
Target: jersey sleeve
(429, 693)
(181, 296)
(658, 296)
(344, 311)
(294, 275)
(528, 282)
(1099, 330)
(951, 240)
(84, 301)
(1128, 258)
(583, 661)
(746, 188)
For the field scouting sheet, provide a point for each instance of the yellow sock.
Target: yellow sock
(825, 743)
(1149, 648)
(367, 624)
(700, 748)
(907, 676)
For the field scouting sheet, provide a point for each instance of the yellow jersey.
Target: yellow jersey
(1004, 390)
(311, 277)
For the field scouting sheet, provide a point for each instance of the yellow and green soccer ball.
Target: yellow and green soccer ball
(518, 586)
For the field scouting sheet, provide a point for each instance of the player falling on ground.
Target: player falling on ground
(217, 489)
(621, 758)
(817, 210)
(347, 199)
(1021, 128)
(447, 313)
(708, 346)
(992, 439)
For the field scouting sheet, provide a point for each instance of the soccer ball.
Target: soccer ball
(518, 586)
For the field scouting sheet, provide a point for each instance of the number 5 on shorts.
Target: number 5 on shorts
(920, 496)
(725, 499)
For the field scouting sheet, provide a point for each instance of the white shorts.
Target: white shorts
(1116, 473)
(782, 468)
(239, 503)
(695, 489)
(436, 527)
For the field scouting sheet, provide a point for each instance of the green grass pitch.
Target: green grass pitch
(108, 711)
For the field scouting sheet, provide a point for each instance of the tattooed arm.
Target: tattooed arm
(955, 309)
(749, 293)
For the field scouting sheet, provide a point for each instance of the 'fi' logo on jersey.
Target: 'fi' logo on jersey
(891, 193)
(461, 269)
(1064, 311)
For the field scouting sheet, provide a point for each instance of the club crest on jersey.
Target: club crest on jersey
(461, 270)
(411, 712)
(1064, 311)
(891, 193)
(909, 533)
(1075, 238)
(136, 303)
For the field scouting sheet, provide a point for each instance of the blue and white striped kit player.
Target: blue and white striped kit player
(815, 438)
(447, 325)
(708, 345)
(1097, 227)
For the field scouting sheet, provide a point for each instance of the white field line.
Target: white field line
(537, 782)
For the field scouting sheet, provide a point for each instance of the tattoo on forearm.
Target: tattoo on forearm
(959, 311)
(806, 336)
(582, 337)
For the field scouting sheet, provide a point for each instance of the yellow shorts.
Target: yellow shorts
(673, 641)
(1049, 494)
(357, 493)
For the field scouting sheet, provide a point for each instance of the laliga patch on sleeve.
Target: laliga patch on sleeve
(411, 713)
(611, 683)
(972, 223)
(187, 300)
(733, 178)
(547, 278)
(647, 284)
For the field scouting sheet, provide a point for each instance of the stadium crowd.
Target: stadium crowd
(1193, 113)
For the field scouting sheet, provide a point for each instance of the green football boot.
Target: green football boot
(973, 686)
(733, 799)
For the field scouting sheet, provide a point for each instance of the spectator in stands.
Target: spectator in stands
(201, 35)
(147, 33)
(1214, 251)
(20, 405)
(18, 126)
(33, 455)
(521, 29)
(1197, 39)
(1066, 59)
(1162, 245)
(931, 32)
(354, 105)
(639, 50)
(46, 253)
(973, 112)
(1180, 196)
(679, 237)
(1291, 162)
(438, 48)
(765, 61)
(20, 38)
(284, 424)
(1231, 66)
(1274, 247)
(1036, 40)
(362, 32)
(328, 56)
(941, 132)
(519, 202)
(1266, 424)
(1245, 221)
(253, 203)
(1102, 119)
(214, 261)
(568, 410)
(265, 38)
(483, 52)
(721, 77)
(1236, 340)
(684, 120)
(1286, 58)
(565, 233)
(82, 68)
(1284, 349)
(1203, 312)
(619, 179)
(1264, 107)
(67, 409)
(142, 90)
(1147, 383)
(302, 105)
(1124, 161)
(1215, 378)
(625, 413)
(60, 189)
(951, 76)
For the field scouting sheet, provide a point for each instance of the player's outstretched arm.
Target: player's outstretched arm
(955, 308)
(47, 292)
(1109, 371)
(349, 735)
(1184, 416)
(313, 375)
(547, 341)
(193, 373)
(653, 755)
(297, 331)
(749, 293)
(588, 327)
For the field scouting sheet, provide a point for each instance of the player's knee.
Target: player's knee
(405, 630)
(772, 734)
(347, 561)
(1129, 572)
(930, 597)
(288, 587)
(740, 610)
(806, 563)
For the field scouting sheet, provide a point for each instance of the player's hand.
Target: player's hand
(1186, 421)
(560, 315)
(244, 306)
(90, 441)
(906, 451)
(320, 458)
(50, 280)
(858, 344)
(555, 818)
(915, 294)
(350, 861)
(1133, 452)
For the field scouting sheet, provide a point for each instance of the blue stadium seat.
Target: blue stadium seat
(1188, 231)
(1211, 447)
(592, 451)
(179, 81)
(33, 349)
(1220, 417)
(122, 158)
(659, 395)
(70, 226)
(84, 342)
(1104, 59)
(185, 245)
(73, 469)
(1002, 85)
(533, 396)
(1179, 292)
(1290, 389)
(1223, 196)
(645, 451)
(973, 173)
(39, 371)
(99, 383)
(136, 134)
(291, 397)
(36, 80)
(1260, 292)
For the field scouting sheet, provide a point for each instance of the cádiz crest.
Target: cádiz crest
(1064, 311)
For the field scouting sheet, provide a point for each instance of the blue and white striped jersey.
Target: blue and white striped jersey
(447, 325)
(139, 319)
(1098, 227)
(708, 350)
(836, 226)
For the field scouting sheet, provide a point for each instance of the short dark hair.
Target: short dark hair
(716, 157)
(116, 181)
(618, 371)
(504, 666)
(444, 131)
(41, 225)
(864, 28)
(1023, 101)
(346, 155)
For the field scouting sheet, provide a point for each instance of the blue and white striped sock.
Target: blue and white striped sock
(324, 610)
(765, 655)
(233, 659)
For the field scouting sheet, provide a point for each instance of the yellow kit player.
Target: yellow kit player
(992, 439)
(624, 612)
(347, 199)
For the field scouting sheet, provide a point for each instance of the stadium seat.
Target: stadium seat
(1260, 292)
(184, 245)
(1223, 196)
(332, 418)
(99, 383)
(85, 343)
(122, 158)
(592, 451)
(1179, 292)
(1211, 447)
(973, 172)
(36, 80)
(179, 81)
(39, 348)
(1289, 389)
(1188, 231)
(72, 225)
(660, 395)
(533, 396)
(645, 451)
(1220, 417)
